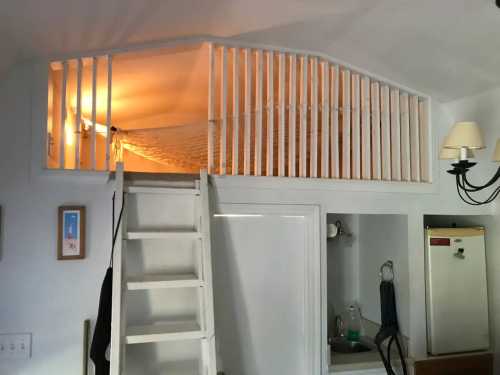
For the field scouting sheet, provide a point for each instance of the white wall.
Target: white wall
(343, 265)
(39, 294)
(383, 238)
(51, 299)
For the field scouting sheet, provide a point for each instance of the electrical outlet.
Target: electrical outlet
(15, 346)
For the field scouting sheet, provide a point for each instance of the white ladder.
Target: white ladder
(145, 220)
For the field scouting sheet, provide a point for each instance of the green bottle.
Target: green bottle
(353, 323)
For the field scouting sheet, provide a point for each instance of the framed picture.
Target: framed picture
(71, 233)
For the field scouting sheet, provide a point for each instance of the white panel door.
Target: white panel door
(266, 285)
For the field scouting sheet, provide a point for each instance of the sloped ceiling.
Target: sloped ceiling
(446, 48)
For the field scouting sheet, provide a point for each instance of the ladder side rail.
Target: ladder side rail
(118, 321)
(207, 271)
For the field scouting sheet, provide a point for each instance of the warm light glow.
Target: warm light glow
(69, 135)
(99, 128)
(453, 154)
(86, 102)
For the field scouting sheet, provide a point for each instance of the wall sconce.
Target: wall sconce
(463, 138)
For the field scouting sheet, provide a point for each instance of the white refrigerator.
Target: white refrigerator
(456, 290)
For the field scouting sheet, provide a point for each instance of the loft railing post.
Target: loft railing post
(108, 112)
(78, 118)
(223, 112)
(236, 110)
(94, 113)
(62, 131)
(211, 109)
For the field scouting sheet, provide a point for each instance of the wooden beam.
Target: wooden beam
(270, 114)
(292, 115)
(108, 111)
(356, 131)
(334, 117)
(236, 110)
(366, 157)
(62, 132)
(94, 112)
(281, 114)
(405, 137)
(313, 153)
(415, 138)
(395, 136)
(346, 124)
(325, 119)
(385, 133)
(211, 108)
(375, 124)
(223, 112)
(259, 61)
(78, 117)
(248, 112)
(303, 117)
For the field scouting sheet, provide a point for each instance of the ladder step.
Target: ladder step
(161, 190)
(164, 282)
(173, 331)
(158, 234)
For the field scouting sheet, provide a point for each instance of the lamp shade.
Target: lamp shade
(465, 134)
(453, 154)
(496, 155)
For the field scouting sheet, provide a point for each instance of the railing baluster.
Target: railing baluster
(211, 108)
(78, 117)
(395, 136)
(248, 111)
(258, 111)
(334, 116)
(385, 135)
(366, 162)
(94, 112)
(223, 112)
(292, 116)
(424, 140)
(313, 156)
(108, 112)
(375, 123)
(415, 139)
(62, 133)
(270, 114)
(346, 124)
(356, 133)
(405, 138)
(281, 114)
(236, 109)
(325, 120)
(303, 117)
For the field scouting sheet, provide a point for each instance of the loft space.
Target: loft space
(158, 101)
(234, 109)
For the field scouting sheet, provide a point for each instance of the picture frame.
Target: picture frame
(71, 233)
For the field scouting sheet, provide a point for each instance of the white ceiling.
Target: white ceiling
(446, 48)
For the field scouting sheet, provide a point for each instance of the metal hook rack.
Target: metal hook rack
(387, 269)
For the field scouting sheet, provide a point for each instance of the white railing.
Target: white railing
(271, 112)
(66, 123)
(339, 123)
